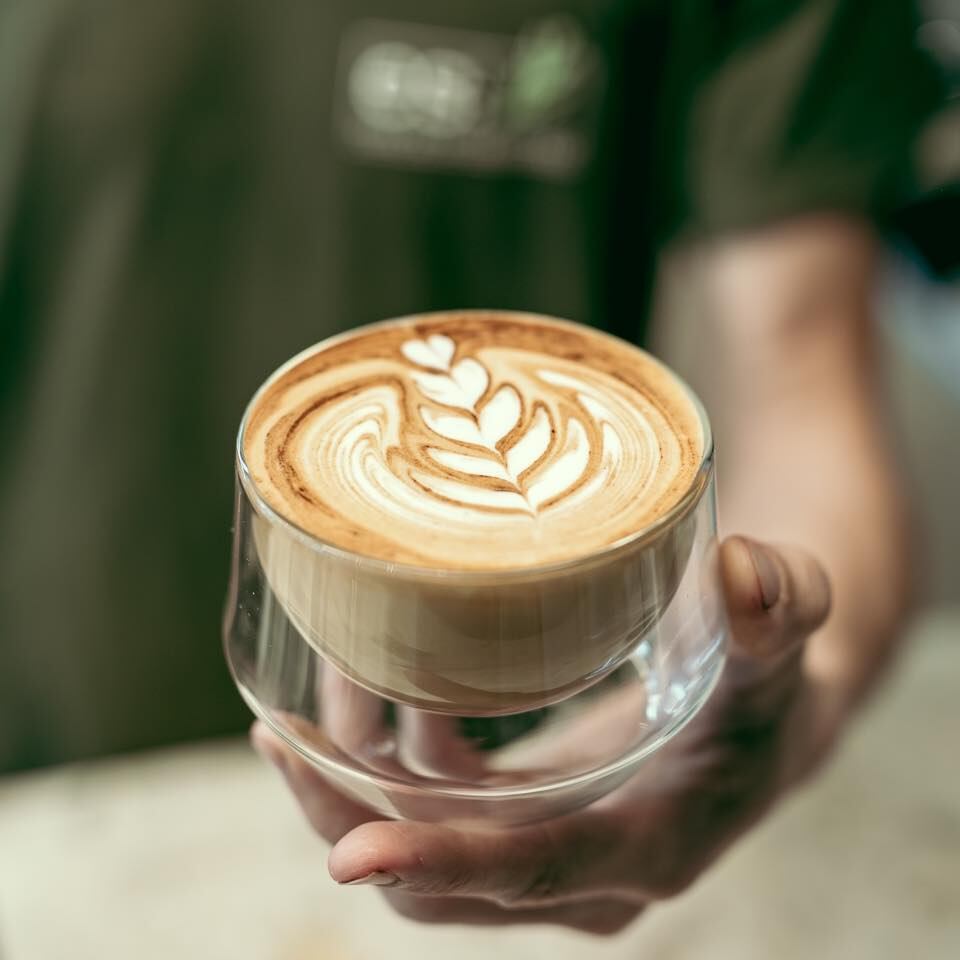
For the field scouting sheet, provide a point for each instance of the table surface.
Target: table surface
(199, 852)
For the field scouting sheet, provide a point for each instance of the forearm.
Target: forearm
(787, 366)
(812, 468)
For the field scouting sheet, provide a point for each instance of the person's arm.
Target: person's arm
(790, 378)
(784, 337)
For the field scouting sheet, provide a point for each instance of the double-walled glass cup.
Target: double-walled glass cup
(507, 696)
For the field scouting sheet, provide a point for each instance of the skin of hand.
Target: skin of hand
(792, 318)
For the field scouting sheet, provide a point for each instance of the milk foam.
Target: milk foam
(473, 441)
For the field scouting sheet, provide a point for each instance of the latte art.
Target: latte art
(528, 462)
(473, 441)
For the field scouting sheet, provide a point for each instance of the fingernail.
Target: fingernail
(768, 576)
(375, 879)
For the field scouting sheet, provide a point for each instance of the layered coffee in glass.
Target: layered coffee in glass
(474, 571)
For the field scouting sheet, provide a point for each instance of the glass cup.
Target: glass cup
(444, 695)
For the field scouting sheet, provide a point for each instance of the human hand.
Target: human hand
(597, 869)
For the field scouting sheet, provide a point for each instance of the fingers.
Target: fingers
(581, 855)
(330, 813)
(351, 717)
(440, 875)
(775, 596)
(602, 917)
(430, 745)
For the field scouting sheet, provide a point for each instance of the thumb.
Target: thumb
(776, 596)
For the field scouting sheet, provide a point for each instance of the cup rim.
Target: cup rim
(638, 538)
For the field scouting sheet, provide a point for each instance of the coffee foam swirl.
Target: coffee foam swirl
(473, 441)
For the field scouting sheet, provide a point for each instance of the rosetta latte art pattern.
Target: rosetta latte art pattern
(533, 463)
(484, 454)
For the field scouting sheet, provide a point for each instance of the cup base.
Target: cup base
(406, 762)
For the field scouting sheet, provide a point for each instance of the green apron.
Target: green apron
(193, 190)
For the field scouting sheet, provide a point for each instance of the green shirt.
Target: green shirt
(193, 190)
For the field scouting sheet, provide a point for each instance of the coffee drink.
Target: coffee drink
(474, 512)
(473, 441)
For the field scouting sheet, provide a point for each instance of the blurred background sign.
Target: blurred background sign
(457, 99)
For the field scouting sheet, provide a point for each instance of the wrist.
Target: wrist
(812, 729)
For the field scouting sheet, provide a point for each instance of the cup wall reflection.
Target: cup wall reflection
(439, 695)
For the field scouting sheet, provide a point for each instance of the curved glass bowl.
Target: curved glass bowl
(444, 696)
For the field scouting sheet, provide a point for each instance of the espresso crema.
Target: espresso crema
(473, 441)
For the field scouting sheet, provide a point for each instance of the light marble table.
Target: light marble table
(199, 853)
